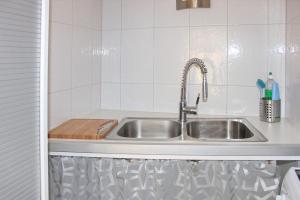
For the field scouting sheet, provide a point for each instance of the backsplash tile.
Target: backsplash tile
(243, 100)
(81, 56)
(111, 56)
(137, 14)
(166, 15)
(166, 98)
(60, 57)
(137, 56)
(215, 15)
(61, 11)
(81, 101)
(110, 96)
(137, 97)
(154, 41)
(86, 13)
(59, 107)
(276, 53)
(210, 44)
(111, 14)
(277, 11)
(247, 54)
(247, 12)
(171, 52)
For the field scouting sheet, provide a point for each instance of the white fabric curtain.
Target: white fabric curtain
(76, 178)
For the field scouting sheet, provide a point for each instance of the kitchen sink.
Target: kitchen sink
(219, 130)
(223, 129)
(150, 129)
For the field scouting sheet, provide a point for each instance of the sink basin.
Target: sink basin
(164, 129)
(223, 130)
(150, 129)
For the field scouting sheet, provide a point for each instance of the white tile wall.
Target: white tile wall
(137, 97)
(112, 14)
(247, 54)
(147, 42)
(60, 57)
(75, 59)
(59, 107)
(216, 15)
(166, 14)
(292, 62)
(247, 12)
(137, 13)
(171, 51)
(111, 56)
(137, 56)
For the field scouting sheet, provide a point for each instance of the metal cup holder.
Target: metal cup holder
(270, 110)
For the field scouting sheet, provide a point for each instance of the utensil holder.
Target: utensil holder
(270, 110)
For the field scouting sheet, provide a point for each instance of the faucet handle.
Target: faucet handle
(198, 99)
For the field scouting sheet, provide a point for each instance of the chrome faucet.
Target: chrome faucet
(183, 108)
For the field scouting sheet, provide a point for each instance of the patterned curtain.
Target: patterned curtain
(76, 178)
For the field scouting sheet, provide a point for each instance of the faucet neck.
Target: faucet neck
(183, 108)
(198, 63)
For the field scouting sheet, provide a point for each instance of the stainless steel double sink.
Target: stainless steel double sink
(162, 129)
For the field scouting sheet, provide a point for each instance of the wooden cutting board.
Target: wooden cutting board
(89, 129)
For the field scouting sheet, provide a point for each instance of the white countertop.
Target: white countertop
(283, 143)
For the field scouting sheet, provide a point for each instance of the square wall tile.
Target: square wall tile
(171, 53)
(96, 21)
(111, 56)
(87, 13)
(277, 11)
(209, 43)
(166, 98)
(137, 97)
(276, 61)
(166, 15)
(61, 11)
(59, 108)
(96, 97)
(110, 96)
(216, 102)
(293, 15)
(137, 13)
(247, 12)
(215, 15)
(81, 57)
(247, 54)
(243, 101)
(60, 57)
(137, 56)
(111, 14)
(82, 10)
(81, 101)
(96, 56)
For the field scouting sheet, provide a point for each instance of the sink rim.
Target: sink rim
(184, 137)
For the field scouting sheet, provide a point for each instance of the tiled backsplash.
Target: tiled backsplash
(75, 59)
(145, 44)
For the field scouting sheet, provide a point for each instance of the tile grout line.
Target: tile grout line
(72, 45)
(189, 54)
(227, 62)
(153, 58)
(120, 63)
